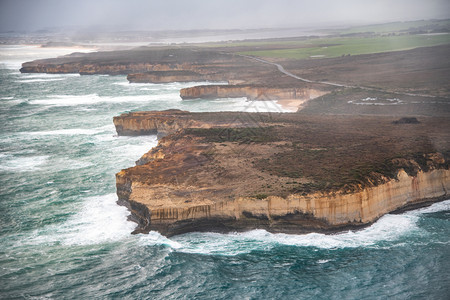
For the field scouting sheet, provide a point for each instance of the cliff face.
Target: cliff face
(85, 68)
(170, 121)
(251, 92)
(196, 210)
(284, 173)
(143, 60)
(143, 123)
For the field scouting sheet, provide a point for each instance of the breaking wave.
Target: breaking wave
(389, 228)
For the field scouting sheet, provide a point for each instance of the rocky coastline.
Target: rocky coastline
(207, 176)
(245, 77)
(341, 162)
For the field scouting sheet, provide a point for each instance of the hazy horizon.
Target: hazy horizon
(133, 15)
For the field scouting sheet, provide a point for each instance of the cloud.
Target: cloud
(217, 14)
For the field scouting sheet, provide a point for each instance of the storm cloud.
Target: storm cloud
(218, 14)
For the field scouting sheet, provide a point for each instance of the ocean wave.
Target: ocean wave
(147, 86)
(128, 84)
(388, 228)
(100, 220)
(136, 151)
(71, 131)
(435, 207)
(39, 80)
(47, 76)
(90, 99)
(14, 163)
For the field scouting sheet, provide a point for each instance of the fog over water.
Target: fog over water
(30, 15)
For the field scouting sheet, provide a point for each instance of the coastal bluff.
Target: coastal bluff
(229, 75)
(280, 172)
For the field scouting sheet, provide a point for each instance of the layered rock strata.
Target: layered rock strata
(170, 121)
(247, 77)
(144, 60)
(251, 92)
(278, 176)
(172, 210)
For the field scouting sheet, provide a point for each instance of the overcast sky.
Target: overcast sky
(213, 14)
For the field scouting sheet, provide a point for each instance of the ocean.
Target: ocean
(62, 235)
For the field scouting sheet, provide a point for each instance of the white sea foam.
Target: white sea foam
(136, 151)
(107, 129)
(14, 163)
(71, 131)
(130, 85)
(154, 238)
(46, 76)
(435, 207)
(388, 228)
(323, 261)
(100, 220)
(150, 89)
(39, 80)
(74, 100)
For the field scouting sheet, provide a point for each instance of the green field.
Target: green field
(334, 47)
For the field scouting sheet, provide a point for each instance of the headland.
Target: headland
(370, 135)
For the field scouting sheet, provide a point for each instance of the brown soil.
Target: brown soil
(294, 153)
(423, 70)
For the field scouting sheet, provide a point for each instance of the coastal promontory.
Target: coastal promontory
(280, 172)
(369, 135)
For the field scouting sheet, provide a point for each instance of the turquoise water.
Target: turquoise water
(62, 235)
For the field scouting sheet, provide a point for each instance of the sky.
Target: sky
(32, 15)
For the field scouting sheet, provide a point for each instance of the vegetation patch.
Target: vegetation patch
(342, 46)
(238, 135)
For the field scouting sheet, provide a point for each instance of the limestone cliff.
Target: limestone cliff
(87, 68)
(291, 173)
(143, 123)
(250, 91)
(171, 210)
(170, 121)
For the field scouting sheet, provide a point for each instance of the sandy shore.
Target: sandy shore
(291, 104)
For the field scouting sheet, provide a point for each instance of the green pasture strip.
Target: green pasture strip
(354, 46)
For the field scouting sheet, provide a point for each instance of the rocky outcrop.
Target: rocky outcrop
(144, 123)
(166, 122)
(83, 68)
(280, 172)
(141, 60)
(249, 91)
(187, 209)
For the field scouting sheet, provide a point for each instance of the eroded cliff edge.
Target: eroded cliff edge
(245, 77)
(280, 172)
